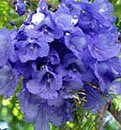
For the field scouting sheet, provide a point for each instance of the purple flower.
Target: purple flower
(87, 23)
(71, 7)
(94, 98)
(4, 45)
(104, 8)
(104, 47)
(76, 41)
(20, 7)
(25, 69)
(43, 7)
(31, 47)
(95, 17)
(36, 110)
(29, 104)
(45, 84)
(69, 19)
(49, 28)
(72, 81)
(8, 80)
(107, 72)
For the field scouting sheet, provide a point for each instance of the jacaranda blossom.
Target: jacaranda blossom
(70, 52)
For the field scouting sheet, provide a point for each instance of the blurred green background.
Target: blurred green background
(9, 109)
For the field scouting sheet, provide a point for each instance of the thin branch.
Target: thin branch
(102, 115)
(115, 113)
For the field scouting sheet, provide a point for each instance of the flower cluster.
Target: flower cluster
(71, 51)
